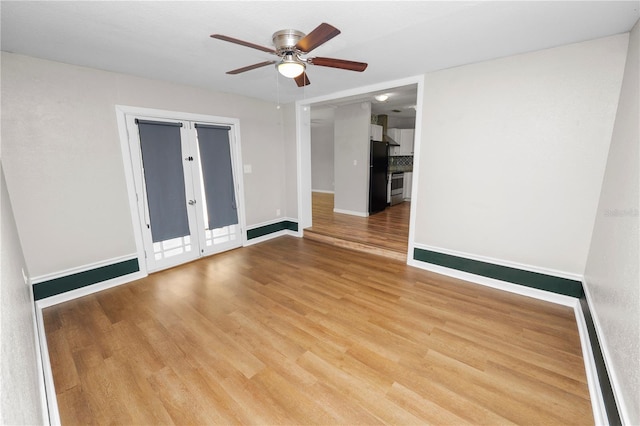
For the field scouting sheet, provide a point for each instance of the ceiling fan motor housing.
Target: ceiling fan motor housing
(286, 40)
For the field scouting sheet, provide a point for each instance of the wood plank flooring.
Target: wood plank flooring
(385, 233)
(291, 331)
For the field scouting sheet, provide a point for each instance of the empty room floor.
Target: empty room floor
(292, 331)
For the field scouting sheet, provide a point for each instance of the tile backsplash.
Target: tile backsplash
(401, 163)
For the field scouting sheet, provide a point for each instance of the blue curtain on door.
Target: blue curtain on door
(164, 179)
(217, 174)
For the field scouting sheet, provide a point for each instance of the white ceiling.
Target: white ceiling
(170, 40)
(400, 104)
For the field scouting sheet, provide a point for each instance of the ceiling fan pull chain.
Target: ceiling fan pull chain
(278, 89)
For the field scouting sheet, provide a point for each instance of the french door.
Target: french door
(185, 188)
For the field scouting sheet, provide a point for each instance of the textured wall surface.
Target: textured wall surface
(611, 277)
(19, 386)
(513, 152)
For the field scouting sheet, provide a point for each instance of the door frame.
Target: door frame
(122, 111)
(303, 145)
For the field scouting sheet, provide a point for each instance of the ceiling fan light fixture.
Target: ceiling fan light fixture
(290, 66)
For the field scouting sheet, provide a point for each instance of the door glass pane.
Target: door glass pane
(221, 235)
(173, 247)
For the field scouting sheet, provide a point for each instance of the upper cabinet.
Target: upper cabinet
(406, 141)
(375, 132)
(405, 138)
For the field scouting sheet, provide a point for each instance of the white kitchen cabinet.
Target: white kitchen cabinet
(408, 182)
(375, 132)
(405, 138)
(406, 141)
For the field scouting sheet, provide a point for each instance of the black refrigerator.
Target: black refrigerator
(378, 168)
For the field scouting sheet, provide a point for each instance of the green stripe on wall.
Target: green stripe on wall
(83, 279)
(271, 228)
(503, 273)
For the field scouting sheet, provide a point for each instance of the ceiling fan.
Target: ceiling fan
(290, 47)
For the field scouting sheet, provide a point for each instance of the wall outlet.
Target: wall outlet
(355, 162)
(247, 168)
(277, 212)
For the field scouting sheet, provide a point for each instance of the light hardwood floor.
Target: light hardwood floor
(291, 331)
(385, 233)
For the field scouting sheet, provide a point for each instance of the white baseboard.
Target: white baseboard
(497, 284)
(83, 268)
(501, 262)
(90, 289)
(322, 191)
(51, 402)
(271, 222)
(272, 235)
(42, 365)
(351, 212)
(606, 355)
(595, 392)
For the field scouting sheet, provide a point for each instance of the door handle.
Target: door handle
(192, 202)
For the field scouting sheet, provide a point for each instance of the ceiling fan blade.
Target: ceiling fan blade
(251, 67)
(322, 34)
(242, 43)
(302, 80)
(338, 63)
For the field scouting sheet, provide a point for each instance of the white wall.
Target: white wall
(19, 386)
(322, 158)
(513, 152)
(611, 276)
(351, 139)
(64, 166)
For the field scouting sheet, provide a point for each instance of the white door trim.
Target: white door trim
(122, 111)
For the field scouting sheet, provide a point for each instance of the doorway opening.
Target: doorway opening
(384, 232)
